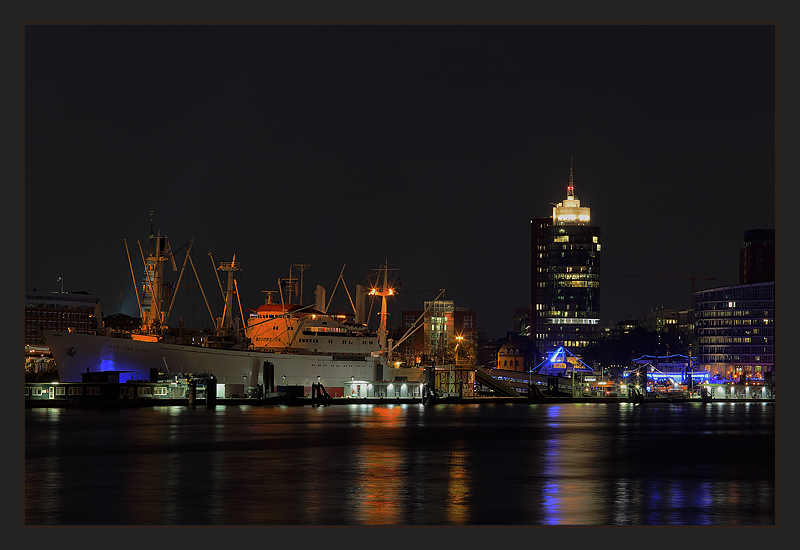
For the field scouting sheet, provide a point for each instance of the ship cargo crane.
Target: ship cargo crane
(693, 278)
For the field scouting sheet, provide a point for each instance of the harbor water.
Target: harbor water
(579, 464)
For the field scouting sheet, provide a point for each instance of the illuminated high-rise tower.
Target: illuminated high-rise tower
(565, 276)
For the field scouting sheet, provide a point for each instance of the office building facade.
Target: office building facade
(447, 332)
(735, 329)
(735, 325)
(565, 276)
(757, 257)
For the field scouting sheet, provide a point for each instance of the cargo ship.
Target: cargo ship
(280, 345)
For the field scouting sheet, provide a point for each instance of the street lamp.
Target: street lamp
(691, 372)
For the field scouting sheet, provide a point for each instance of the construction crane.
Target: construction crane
(693, 278)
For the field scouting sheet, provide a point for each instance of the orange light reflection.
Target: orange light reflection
(457, 511)
(572, 498)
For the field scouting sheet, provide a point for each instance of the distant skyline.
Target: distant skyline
(431, 146)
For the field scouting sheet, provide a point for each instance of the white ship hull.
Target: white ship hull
(77, 353)
(320, 348)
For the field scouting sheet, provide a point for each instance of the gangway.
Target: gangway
(497, 386)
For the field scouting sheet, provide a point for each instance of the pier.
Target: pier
(481, 386)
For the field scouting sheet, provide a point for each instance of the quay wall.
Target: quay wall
(307, 401)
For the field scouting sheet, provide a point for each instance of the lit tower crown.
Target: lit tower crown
(570, 210)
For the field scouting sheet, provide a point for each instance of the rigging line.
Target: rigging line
(244, 290)
(181, 247)
(259, 277)
(109, 306)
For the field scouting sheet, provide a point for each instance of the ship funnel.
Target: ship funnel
(361, 297)
(319, 299)
(98, 317)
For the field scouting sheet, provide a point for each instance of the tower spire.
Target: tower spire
(570, 188)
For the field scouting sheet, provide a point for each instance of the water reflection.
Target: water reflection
(581, 464)
(376, 485)
(458, 496)
(627, 498)
(572, 494)
(42, 481)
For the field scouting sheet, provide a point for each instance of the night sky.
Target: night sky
(431, 146)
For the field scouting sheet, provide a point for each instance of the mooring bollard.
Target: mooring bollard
(211, 393)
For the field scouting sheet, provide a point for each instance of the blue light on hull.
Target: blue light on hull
(110, 364)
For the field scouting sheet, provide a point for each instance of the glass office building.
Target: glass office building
(735, 329)
(565, 276)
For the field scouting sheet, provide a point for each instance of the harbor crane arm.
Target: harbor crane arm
(334, 290)
(215, 273)
(239, 299)
(349, 297)
(135, 287)
(213, 322)
(693, 278)
(178, 284)
(412, 329)
(168, 253)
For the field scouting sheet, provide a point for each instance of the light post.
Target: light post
(691, 372)
(455, 360)
(530, 381)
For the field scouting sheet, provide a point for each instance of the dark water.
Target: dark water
(489, 464)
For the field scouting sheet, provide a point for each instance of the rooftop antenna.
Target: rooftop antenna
(150, 244)
(570, 189)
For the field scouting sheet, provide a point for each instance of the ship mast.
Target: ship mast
(227, 313)
(158, 252)
(383, 290)
(290, 284)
